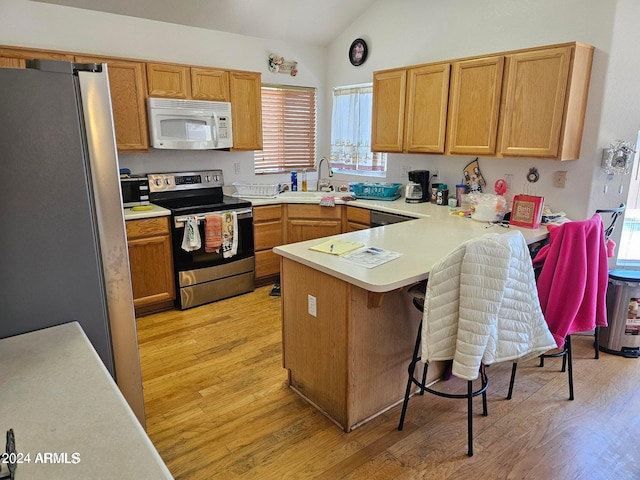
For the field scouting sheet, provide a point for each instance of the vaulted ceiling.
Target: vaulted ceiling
(314, 22)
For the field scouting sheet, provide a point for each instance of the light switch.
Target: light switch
(311, 305)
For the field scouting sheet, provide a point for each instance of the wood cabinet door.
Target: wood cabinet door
(387, 122)
(474, 106)
(127, 85)
(17, 57)
(534, 101)
(150, 261)
(168, 81)
(209, 84)
(151, 277)
(426, 106)
(245, 90)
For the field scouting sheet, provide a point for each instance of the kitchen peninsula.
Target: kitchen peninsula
(348, 330)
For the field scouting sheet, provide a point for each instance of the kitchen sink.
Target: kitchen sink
(317, 195)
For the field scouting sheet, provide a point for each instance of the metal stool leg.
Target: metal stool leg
(412, 368)
(514, 367)
(596, 342)
(470, 417)
(569, 361)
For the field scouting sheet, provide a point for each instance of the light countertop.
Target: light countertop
(422, 242)
(58, 398)
(155, 211)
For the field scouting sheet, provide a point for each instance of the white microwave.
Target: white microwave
(189, 124)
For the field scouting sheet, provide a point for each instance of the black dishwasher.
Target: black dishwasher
(380, 219)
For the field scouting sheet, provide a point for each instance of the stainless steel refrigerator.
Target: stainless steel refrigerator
(63, 247)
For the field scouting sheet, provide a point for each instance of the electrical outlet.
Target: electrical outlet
(311, 305)
(237, 168)
(405, 171)
(560, 179)
(435, 173)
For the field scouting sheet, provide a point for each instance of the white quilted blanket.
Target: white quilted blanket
(482, 305)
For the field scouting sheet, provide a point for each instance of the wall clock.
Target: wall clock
(358, 52)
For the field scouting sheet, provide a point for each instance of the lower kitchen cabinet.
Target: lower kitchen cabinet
(267, 228)
(151, 263)
(357, 219)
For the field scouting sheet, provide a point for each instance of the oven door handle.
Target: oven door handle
(178, 222)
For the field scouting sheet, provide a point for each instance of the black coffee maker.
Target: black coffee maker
(421, 177)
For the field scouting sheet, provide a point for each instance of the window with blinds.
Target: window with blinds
(288, 129)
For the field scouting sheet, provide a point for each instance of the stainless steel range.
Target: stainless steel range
(195, 198)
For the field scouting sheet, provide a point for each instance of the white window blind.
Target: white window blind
(288, 129)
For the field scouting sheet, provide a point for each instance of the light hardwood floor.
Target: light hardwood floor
(218, 407)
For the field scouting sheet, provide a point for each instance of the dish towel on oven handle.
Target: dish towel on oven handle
(191, 238)
(212, 233)
(229, 234)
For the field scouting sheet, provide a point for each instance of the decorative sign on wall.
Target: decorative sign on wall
(279, 65)
(618, 158)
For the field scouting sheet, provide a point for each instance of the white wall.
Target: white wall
(398, 32)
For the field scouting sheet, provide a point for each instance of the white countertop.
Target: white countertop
(58, 397)
(156, 211)
(422, 242)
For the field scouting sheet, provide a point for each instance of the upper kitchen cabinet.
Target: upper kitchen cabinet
(184, 82)
(410, 109)
(127, 85)
(426, 108)
(544, 102)
(521, 103)
(246, 109)
(168, 81)
(17, 57)
(387, 123)
(210, 84)
(474, 106)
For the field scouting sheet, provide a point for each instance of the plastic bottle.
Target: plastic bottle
(303, 178)
(294, 181)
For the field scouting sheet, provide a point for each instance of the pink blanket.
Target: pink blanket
(573, 282)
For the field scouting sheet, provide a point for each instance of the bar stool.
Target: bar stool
(572, 287)
(417, 293)
(467, 314)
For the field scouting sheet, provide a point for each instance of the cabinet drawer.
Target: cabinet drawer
(147, 227)
(313, 211)
(267, 212)
(359, 215)
(268, 234)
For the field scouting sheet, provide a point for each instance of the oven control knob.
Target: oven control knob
(167, 181)
(158, 182)
(207, 179)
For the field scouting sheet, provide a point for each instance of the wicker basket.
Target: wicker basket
(256, 190)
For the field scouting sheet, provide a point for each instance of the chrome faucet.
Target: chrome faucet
(324, 184)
